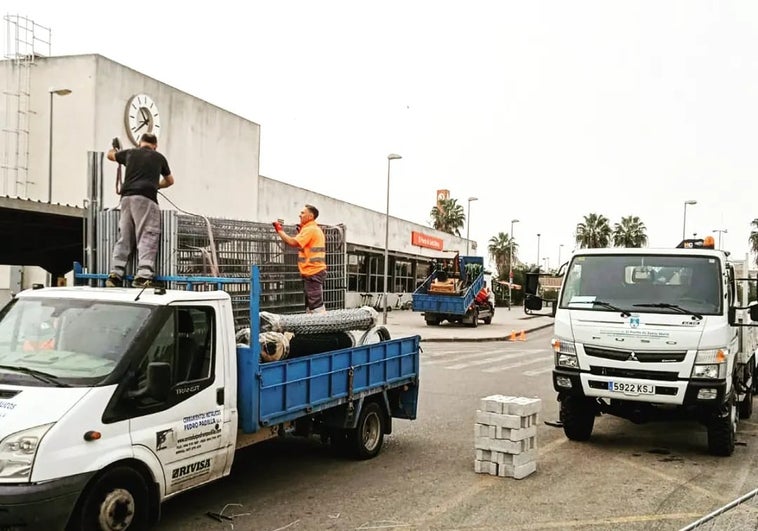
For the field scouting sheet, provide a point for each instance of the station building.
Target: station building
(57, 111)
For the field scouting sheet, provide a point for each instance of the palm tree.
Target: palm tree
(594, 232)
(754, 238)
(629, 233)
(500, 251)
(448, 216)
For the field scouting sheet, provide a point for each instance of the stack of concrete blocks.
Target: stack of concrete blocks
(505, 436)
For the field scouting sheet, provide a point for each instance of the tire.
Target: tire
(474, 318)
(365, 441)
(578, 418)
(487, 320)
(432, 321)
(746, 406)
(722, 430)
(117, 500)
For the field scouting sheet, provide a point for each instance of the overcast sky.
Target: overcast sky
(544, 110)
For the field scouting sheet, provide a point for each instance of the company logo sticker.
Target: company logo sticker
(634, 321)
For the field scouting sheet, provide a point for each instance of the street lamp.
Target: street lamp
(547, 264)
(684, 221)
(58, 92)
(538, 250)
(720, 231)
(390, 158)
(559, 254)
(468, 220)
(510, 265)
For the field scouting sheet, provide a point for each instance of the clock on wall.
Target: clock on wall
(141, 117)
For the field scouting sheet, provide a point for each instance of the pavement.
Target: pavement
(403, 323)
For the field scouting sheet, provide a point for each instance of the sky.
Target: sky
(545, 111)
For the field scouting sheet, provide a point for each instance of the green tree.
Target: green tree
(631, 232)
(754, 238)
(448, 216)
(593, 232)
(499, 249)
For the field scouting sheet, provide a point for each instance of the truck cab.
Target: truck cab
(651, 335)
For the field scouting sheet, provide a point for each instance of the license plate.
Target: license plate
(631, 388)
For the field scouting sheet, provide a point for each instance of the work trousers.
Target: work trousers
(140, 226)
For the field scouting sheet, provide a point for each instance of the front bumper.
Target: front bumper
(45, 505)
(678, 392)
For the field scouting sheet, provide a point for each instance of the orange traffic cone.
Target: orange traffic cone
(522, 336)
(513, 335)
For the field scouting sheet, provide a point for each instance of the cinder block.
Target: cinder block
(485, 467)
(493, 403)
(505, 445)
(523, 406)
(484, 455)
(512, 459)
(518, 471)
(485, 430)
(515, 435)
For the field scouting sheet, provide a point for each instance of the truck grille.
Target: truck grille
(643, 356)
(634, 373)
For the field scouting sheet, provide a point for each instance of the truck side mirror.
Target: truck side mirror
(533, 302)
(158, 382)
(754, 312)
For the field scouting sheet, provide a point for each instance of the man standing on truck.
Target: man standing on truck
(146, 172)
(311, 256)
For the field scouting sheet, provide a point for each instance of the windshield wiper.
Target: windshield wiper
(604, 304)
(666, 305)
(39, 375)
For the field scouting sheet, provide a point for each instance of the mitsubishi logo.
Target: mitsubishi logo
(632, 357)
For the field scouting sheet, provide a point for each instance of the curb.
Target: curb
(479, 339)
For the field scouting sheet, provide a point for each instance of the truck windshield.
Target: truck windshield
(65, 342)
(644, 283)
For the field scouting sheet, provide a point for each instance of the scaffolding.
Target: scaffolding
(186, 249)
(25, 41)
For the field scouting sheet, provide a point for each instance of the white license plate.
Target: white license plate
(631, 388)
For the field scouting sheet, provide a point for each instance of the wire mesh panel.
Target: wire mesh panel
(191, 244)
(738, 515)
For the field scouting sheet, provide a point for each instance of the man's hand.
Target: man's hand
(277, 226)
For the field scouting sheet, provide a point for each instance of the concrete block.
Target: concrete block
(518, 471)
(484, 455)
(523, 406)
(485, 467)
(515, 435)
(512, 459)
(484, 430)
(505, 445)
(494, 403)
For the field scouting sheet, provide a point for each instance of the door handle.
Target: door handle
(220, 396)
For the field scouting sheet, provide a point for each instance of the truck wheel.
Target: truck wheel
(116, 500)
(368, 436)
(432, 321)
(722, 430)
(578, 418)
(487, 320)
(746, 406)
(474, 318)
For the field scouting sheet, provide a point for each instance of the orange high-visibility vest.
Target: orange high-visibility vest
(311, 258)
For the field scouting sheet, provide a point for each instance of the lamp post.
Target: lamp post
(720, 231)
(468, 220)
(559, 254)
(684, 221)
(510, 266)
(538, 250)
(547, 264)
(390, 158)
(58, 92)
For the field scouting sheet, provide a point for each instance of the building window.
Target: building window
(376, 273)
(356, 272)
(403, 276)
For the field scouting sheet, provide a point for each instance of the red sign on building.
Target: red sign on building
(424, 240)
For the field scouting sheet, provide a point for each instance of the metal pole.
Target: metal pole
(386, 242)
(538, 250)
(468, 224)
(684, 221)
(510, 269)
(559, 254)
(50, 155)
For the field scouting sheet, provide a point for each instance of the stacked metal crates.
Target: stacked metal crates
(186, 249)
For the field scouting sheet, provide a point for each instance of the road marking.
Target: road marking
(605, 522)
(535, 372)
(475, 355)
(493, 359)
(513, 365)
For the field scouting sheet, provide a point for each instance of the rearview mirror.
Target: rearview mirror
(754, 312)
(533, 302)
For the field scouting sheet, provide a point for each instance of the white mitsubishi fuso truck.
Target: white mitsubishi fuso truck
(648, 334)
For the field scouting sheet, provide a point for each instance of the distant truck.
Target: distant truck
(456, 293)
(659, 334)
(114, 400)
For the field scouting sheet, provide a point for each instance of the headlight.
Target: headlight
(17, 452)
(710, 363)
(565, 353)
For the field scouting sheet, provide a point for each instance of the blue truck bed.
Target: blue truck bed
(423, 301)
(281, 391)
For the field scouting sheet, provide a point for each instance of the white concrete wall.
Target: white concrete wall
(213, 154)
(364, 226)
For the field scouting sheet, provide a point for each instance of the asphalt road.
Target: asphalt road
(627, 477)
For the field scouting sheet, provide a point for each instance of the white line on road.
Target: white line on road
(493, 359)
(535, 372)
(475, 355)
(513, 365)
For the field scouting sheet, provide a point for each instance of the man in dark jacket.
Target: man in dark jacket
(146, 172)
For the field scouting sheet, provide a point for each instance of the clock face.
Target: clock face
(141, 117)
